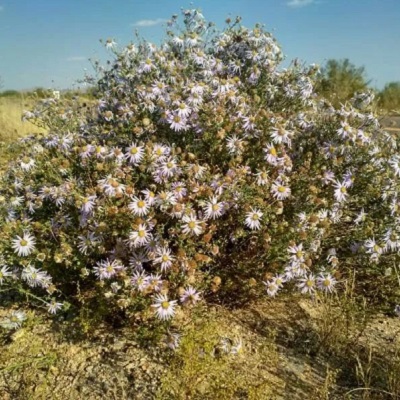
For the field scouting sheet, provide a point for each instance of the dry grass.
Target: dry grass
(11, 126)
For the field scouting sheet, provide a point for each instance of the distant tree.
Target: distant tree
(340, 80)
(389, 97)
(9, 93)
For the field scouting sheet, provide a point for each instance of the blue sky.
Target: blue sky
(48, 42)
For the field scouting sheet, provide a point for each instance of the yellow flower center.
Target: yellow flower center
(310, 283)
(177, 118)
(281, 189)
(142, 233)
(23, 242)
(165, 258)
(134, 150)
(215, 207)
(273, 152)
(343, 189)
(255, 217)
(192, 224)
(326, 282)
(141, 203)
(299, 254)
(165, 305)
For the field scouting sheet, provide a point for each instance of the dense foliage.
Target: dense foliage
(389, 97)
(340, 80)
(204, 169)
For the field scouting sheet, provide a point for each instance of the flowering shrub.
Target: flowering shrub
(203, 168)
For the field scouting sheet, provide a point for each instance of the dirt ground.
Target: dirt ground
(41, 361)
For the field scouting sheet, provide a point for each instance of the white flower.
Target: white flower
(178, 41)
(14, 321)
(87, 242)
(253, 219)
(140, 281)
(88, 204)
(326, 282)
(54, 306)
(340, 191)
(164, 308)
(262, 178)
(164, 258)
(116, 153)
(16, 201)
(27, 163)
(138, 258)
(373, 247)
(86, 151)
(190, 296)
(24, 245)
(297, 253)
(140, 236)
(183, 110)
(110, 44)
(160, 152)
(280, 135)
(192, 225)
(4, 273)
(35, 277)
(213, 209)
(280, 191)
(173, 340)
(234, 145)
(177, 123)
(271, 155)
(307, 284)
(279, 280)
(134, 153)
(112, 187)
(345, 131)
(139, 206)
(395, 164)
(168, 168)
(397, 310)
(149, 196)
(272, 288)
(392, 240)
(360, 217)
(155, 282)
(180, 190)
(106, 269)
